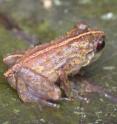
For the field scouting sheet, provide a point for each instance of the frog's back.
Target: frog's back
(49, 58)
(51, 61)
(78, 29)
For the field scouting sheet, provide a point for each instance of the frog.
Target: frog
(41, 73)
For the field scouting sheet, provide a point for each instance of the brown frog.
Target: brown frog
(41, 73)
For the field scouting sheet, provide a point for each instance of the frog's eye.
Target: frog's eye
(100, 45)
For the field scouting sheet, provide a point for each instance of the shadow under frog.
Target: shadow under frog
(41, 73)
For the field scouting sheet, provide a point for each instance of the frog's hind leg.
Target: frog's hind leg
(27, 96)
(34, 87)
(12, 59)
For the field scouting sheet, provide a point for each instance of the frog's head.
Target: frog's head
(88, 42)
(94, 42)
(98, 44)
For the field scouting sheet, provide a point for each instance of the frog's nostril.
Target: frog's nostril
(100, 45)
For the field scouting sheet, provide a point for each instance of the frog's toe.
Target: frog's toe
(12, 59)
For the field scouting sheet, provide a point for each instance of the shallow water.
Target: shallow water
(48, 19)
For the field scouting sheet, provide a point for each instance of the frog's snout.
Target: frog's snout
(100, 44)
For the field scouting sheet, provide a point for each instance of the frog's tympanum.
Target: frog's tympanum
(41, 73)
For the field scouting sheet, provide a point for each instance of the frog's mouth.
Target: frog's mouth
(92, 57)
(96, 56)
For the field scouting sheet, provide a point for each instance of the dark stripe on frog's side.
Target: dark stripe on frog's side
(56, 45)
(43, 46)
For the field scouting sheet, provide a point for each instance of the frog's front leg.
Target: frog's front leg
(34, 87)
(63, 70)
(65, 83)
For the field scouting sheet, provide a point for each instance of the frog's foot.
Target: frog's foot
(34, 87)
(12, 59)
